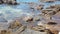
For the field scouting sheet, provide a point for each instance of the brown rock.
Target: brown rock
(15, 24)
(54, 31)
(39, 7)
(5, 32)
(51, 23)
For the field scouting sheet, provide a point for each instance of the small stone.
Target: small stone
(15, 24)
(28, 18)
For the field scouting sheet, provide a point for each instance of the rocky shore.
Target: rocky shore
(34, 24)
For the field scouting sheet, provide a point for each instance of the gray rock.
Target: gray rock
(3, 19)
(11, 2)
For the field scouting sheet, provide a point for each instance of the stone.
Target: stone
(51, 23)
(54, 7)
(36, 18)
(54, 31)
(28, 18)
(1, 1)
(30, 31)
(11, 2)
(49, 1)
(3, 19)
(5, 32)
(39, 7)
(14, 25)
(21, 29)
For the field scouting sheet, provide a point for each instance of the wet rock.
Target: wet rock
(54, 7)
(50, 12)
(14, 25)
(36, 18)
(11, 2)
(38, 28)
(49, 1)
(46, 11)
(51, 23)
(28, 18)
(54, 31)
(3, 20)
(39, 7)
(21, 29)
(5, 32)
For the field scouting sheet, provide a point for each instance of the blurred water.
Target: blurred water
(11, 11)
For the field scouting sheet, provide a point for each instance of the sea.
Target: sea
(12, 11)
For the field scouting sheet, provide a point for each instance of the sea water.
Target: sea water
(10, 12)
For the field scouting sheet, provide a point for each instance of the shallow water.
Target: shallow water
(10, 11)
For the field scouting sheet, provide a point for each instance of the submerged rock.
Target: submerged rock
(3, 20)
(49, 1)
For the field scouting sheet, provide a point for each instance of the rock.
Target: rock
(45, 11)
(28, 19)
(54, 31)
(54, 7)
(15, 24)
(3, 19)
(39, 7)
(11, 2)
(5, 32)
(31, 19)
(51, 23)
(1, 1)
(36, 18)
(50, 12)
(21, 29)
(49, 1)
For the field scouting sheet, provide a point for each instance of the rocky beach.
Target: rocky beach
(29, 16)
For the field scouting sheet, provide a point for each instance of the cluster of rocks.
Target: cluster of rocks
(52, 10)
(49, 1)
(49, 28)
(11, 2)
(35, 6)
(32, 19)
(14, 28)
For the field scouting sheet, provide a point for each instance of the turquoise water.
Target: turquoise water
(10, 11)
